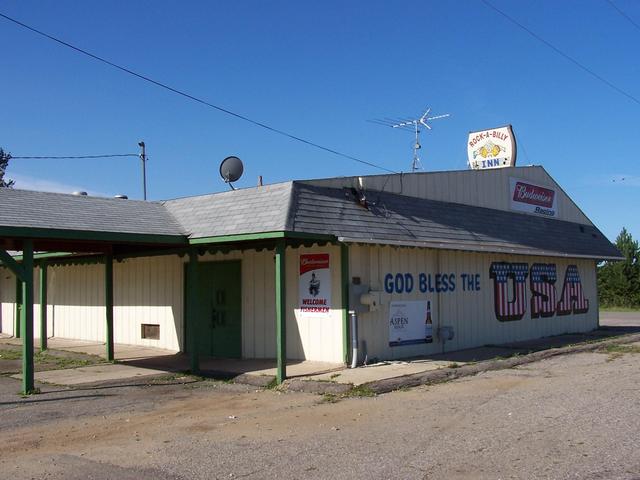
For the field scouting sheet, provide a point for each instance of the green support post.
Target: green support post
(43, 306)
(191, 319)
(108, 302)
(26, 317)
(16, 330)
(281, 312)
(344, 277)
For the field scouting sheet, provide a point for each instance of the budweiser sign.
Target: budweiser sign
(313, 261)
(314, 285)
(527, 193)
(531, 198)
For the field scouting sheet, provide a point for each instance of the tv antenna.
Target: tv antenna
(412, 124)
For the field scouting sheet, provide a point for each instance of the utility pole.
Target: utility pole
(143, 157)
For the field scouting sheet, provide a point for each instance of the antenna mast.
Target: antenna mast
(143, 157)
(414, 125)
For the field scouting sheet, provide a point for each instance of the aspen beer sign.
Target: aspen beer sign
(410, 323)
(493, 148)
(531, 198)
(314, 287)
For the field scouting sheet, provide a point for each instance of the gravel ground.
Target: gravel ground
(573, 416)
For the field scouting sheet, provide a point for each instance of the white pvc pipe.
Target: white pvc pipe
(354, 339)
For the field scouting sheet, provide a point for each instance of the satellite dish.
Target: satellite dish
(231, 170)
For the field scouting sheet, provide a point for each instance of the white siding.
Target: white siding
(314, 338)
(482, 188)
(148, 290)
(151, 290)
(8, 309)
(471, 313)
(307, 338)
(7, 301)
(76, 294)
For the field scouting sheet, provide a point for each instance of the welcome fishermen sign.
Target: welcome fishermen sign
(314, 284)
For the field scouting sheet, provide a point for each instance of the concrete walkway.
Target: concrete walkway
(394, 369)
(139, 362)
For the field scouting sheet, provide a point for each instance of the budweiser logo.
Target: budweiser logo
(313, 261)
(534, 195)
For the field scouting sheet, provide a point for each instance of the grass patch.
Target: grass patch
(273, 384)
(62, 362)
(454, 365)
(360, 391)
(330, 398)
(334, 375)
(177, 378)
(622, 348)
(617, 351)
(57, 360)
(10, 354)
(619, 309)
(356, 392)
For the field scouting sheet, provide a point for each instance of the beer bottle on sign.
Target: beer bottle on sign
(428, 324)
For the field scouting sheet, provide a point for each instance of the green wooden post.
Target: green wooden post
(43, 306)
(281, 312)
(193, 314)
(108, 302)
(16, 330)
(26, 317)
(344, 278)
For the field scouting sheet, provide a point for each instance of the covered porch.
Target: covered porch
(133, 362)
(34, 260)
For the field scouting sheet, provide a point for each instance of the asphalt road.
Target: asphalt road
(620, 319)
(574, 416)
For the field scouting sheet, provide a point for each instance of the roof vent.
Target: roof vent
(121, 197)
(79, 194)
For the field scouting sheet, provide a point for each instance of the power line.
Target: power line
(193, 97)
(617, 9)
(77, 156)
(561, 53)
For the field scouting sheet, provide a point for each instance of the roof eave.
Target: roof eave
(475, 248)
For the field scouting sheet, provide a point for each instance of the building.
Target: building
(489, 256)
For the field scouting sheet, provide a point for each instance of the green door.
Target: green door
(219, 331)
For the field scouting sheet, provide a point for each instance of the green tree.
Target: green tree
(619, 282)
(4, 163)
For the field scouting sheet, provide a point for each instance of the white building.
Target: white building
(495, 255)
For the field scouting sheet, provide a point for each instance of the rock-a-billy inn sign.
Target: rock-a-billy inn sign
(510, 290)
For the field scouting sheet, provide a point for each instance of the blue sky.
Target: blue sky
(320, 70)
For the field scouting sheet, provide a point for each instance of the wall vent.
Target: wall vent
(150, 331)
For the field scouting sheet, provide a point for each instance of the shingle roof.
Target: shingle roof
(312, 209)
(402, 220)
(250, 210)
(26, 208)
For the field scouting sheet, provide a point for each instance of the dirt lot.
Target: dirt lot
(574, 416)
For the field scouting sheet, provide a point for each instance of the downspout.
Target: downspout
(595, 265)
(344, 277)
(354, 338)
